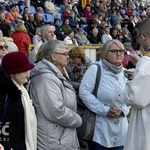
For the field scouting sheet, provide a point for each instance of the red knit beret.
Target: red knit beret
(16, 62)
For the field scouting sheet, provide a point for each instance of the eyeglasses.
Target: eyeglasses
(65, 54)
(137, 37)
(19, 18)
(116, 51)
(2, 47)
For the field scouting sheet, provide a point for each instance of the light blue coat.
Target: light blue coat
(108, 132)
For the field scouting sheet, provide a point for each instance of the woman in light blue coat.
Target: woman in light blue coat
(111, 121)
(55, 100)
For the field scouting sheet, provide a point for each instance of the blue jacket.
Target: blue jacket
(72, 22)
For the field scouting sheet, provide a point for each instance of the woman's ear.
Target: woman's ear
(53, 57)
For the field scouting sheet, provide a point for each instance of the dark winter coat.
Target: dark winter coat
(14, 118)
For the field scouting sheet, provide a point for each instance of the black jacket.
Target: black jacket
(31, 28)
(14, 135)
(93, 39)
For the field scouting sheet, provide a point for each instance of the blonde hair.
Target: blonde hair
(38, 31)
(39, 55)
(76, 52)
(20, 27)
(106, 46)
(39, 8)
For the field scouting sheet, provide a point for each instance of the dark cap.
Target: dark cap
(16, 62)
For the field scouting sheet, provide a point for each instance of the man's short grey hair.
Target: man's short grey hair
(52, 46)
(44, 28)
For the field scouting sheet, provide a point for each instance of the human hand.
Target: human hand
(114, 112)
(134, 58)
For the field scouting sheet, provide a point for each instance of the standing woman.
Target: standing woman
(16, 110)
(21, 38)
(54, 99)
(111, 122)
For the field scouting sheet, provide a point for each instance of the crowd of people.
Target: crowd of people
(99, 20)
(39, 88)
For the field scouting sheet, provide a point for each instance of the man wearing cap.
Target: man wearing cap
(18, 121)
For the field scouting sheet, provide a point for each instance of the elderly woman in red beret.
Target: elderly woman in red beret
(18, 121)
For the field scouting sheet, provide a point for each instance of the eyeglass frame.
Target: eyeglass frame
(137, 37)
(64, 54)
(117, 51)
(3, 46)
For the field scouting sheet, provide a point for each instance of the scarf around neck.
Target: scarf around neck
(111, 67)
(29, 118)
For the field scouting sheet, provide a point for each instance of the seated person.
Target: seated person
(58, 29)
(69, 39)
(81, 37)
(66, 27)
(72, 21)
(50, 8)
(93, 36)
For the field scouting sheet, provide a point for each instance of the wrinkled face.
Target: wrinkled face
(21, 78)
(3, 49)
(61, 57)
(114, 58)
(49, 33)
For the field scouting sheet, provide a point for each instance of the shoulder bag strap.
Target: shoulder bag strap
(97, 80)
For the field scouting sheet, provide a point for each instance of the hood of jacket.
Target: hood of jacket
(45, 66)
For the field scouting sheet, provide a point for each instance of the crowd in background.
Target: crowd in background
(51, 25)
(75, 22)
